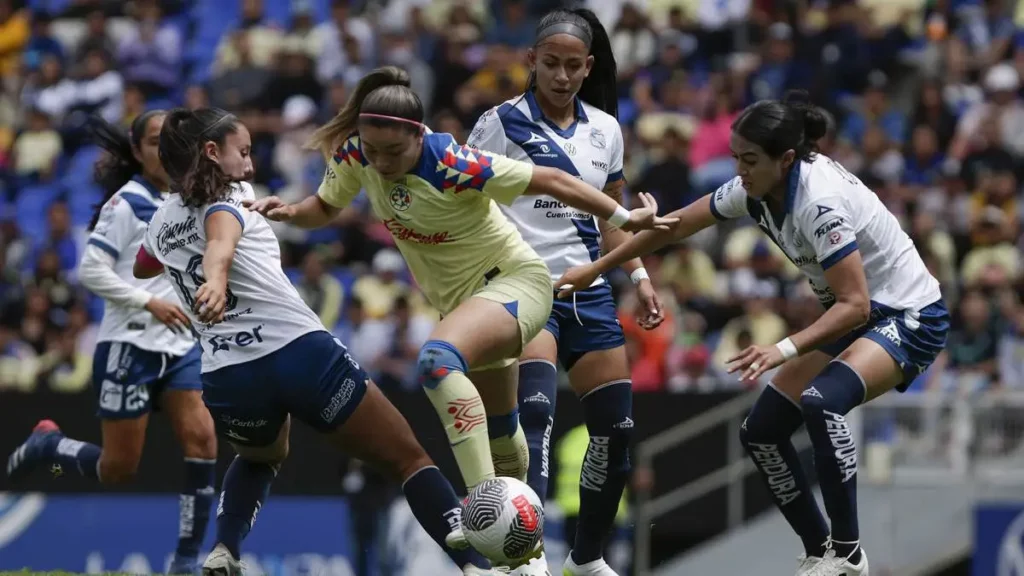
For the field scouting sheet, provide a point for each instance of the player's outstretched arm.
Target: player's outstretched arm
(685, 222)
(582, 196)
(223, 230)
(312, 212)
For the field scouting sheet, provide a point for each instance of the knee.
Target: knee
(832, 394)
(117, 468)
(199, 440)
(436, 360)
(536, 405)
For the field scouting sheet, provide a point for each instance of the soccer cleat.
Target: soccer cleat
(456, 539)
(220, 562)
(831, 565)
(31, 452)
(472, 570)
(806, 564)
(180, 565)
(535, 567)
(595, 568)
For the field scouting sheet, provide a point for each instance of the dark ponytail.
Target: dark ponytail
(600, 87)
(192, 174)
(385, 91)
(793, 123)
(119, 165)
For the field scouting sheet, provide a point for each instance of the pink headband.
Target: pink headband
(419, 125)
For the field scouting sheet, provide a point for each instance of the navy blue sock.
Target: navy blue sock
(766, 435)
(74, 455)
(196, 499)
(825, 403)
(504, 425)
(538, 389)
(607, 412)
(436, 507)
(246, 486)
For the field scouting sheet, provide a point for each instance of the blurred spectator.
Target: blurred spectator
(319, 290)
(42, 43)
(243, 84)
(262, 40)
(332, 58)
(150, 55)
(512, 25)
(15, 32)
(37, 148)
(99, 89)
(378, 291)
(96, 37)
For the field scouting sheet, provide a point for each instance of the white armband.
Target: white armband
(619, 217)
(638, 275)
(787, 349)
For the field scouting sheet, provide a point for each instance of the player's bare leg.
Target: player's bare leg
(476, 333)
(378, 434)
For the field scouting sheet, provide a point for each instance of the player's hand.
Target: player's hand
(171, 315)
(271, 207)
(649, 313)
(646, 217)
(575, 279)
(211, 300)
(755, 361)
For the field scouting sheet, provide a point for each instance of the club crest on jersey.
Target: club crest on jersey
(570, 149)
(597, 139)
(400, 198)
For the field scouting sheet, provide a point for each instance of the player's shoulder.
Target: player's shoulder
(135, 198)
(349, 153)
(600, 119)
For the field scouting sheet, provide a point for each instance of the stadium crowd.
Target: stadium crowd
(925, 97)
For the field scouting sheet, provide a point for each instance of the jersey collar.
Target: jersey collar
(791, 185)
(538, 115)
(148, 186)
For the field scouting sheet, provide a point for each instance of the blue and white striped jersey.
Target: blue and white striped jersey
(590, 149)
(119, 231)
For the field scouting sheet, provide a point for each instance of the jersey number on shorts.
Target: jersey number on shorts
(192, 269)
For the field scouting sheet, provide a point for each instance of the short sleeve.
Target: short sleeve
(343, 177)
(240, 192)
(501, 178)
(826, 225)
(488, 134)
(117, 226)
(615, 153)
(729, 201)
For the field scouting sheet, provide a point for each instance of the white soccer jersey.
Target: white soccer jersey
(119, 232)
(264, 311)
(590, 149)
(829, 213)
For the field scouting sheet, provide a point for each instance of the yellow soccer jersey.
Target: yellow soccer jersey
(450, 232)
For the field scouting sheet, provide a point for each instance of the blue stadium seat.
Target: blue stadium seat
(80, 167)
(32, 203)
(82, 202)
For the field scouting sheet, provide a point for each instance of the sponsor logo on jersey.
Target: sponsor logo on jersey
(822, 210)
(240, 423)
(402, 232)
(773, 466)
(339, 400)
(828, 227)
(558, 210)
(597, 139)
(890, 331)
(242, 339)
(595, 464)
(602, 166)
(174, 235)
(569, 149)
(400, 198)
(835, 238)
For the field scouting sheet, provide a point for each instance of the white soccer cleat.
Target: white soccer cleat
(471, 570)
(831, 565)
(594, 568)
(220, 562)
(456, 540)
(535, 567)
(807, 563)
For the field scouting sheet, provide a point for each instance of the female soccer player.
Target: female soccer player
(884, 322)
(266, 356)
(146, 355)
(492, 289)
(567, 120)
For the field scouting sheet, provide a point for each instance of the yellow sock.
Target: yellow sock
(511, 455)
(461, 410)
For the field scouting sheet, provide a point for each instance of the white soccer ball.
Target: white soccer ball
(503, 519)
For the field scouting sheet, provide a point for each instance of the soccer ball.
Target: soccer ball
(503, 519)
